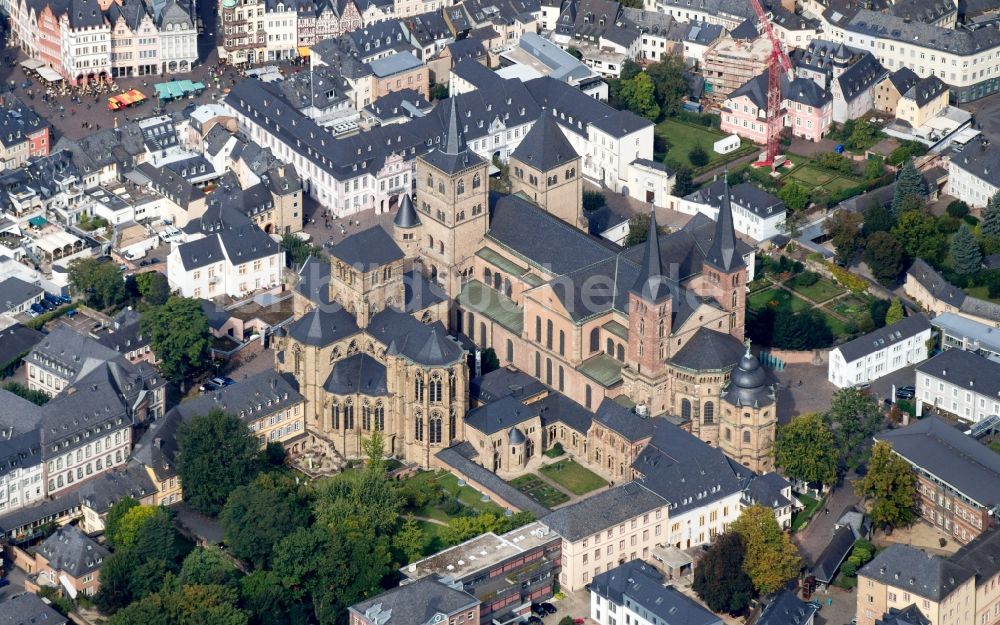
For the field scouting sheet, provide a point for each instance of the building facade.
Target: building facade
(879, 353)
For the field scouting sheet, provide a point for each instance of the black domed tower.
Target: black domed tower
(749, 416)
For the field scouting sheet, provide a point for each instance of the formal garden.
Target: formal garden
(683, 143)
(573, 476)
(539, 490)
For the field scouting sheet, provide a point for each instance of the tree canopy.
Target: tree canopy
(895, 312)
(190, 605)
(683, 183)
(805, 450)
(908, 182)
(991, 216)
(639, 95)
(890, 487)
(261, 513)
(884, 257)
(853, 417)
(771, 558)
(920, 237)
(795, 196)
(719, 578)
(179, 335)
(100, 282)
(153, 287)
(218, 454)
(966, 257)
(844, 228)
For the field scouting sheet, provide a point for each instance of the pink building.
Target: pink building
(807, 108)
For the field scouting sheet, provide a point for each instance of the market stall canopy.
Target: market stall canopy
(48, 74)
(32, 64)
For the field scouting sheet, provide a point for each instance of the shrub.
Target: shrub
(807, 278)
(847, 279)
(958, 209)
(849, 569)
(698, 156)
(592, 200)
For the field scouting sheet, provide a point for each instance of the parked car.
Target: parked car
(154, 260)
(37, 309)
(208, 387)
(549, 608)
(65, 299)
(534, 620)
(71, 313)
(537, 610)
(4, 581)
(31, 313)
(906, 392)
(143, 262)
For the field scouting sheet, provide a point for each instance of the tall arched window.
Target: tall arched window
(548, 333)
(452, 385)
(562, 380)
(660, 329)
(510, 350)
(587, 396)
(620, 355)
(435, 428)
(482, 333)
(451, 425)
(708, 412)
(418, 387)
(507, 289)
(461, 187)
(562, 342)
(349, 415)
(538, 365)
(379, 417)
(487, 276)
(335, 417)
(538, 329)
(595, 340)
(366, 417)
(610, 347)
(477, 181)
(686, 408)
(430, 181)
(746, 436)
(418, 426)
(497, 281)
(436, 388)
(548, 371)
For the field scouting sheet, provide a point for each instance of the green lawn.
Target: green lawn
(759, 284)
(812, 176)
(778, 299)
(836, 326)
(811, 506)
(852, 305)
(573, 476)
(820, 292)
(436, 537)
(466, 495)
(532, 486)
(682, 137)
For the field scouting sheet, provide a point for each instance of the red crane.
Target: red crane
(778, 64)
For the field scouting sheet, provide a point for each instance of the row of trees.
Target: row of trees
(754, 558)
(657, 91)
(889, 238)
(100, 283)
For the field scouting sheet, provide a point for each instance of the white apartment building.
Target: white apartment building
(178, 38)
(281, 26)
(86, 50)
(974, 173)
(635, 593)
(962, 383)
(968, 61)
(20, 453)
(879, 353)
(756, 213)
(234, 261)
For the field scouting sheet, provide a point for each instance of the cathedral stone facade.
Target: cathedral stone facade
(611, 337)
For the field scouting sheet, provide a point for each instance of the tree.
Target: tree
(698, 156)
(39, 398)
(439, 91)
(299, 250)
(638, 229)
(188, 605)
(575, 52)
(877, 310)
(218, 454)
(630, 69)
(805, 450)
(125, 531)
(908, 182)
(410, 539)
(179, 335)
(895, 312)
(854, 416)
(771, 558)
(719, 578)
(668, 77)
(592, 200)
(113, 531)
(374, 449)
(258, 515)
(156, 539)
(153, 287)
(884, 257)
(890, 487)
(991, 216)
(966, 257)
(115, 590)
(100, 282)
(878, 219)
(359, 503)
(920, 237)
(639, 95)
(844, 228)
(208, 566)
(263, 596)
(803, 330)
(958, 209)
(794, 195)
(874, 168)
(683, 183)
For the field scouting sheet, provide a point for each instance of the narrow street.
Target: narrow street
(817, 534)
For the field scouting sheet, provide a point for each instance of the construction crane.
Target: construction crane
(778, 64)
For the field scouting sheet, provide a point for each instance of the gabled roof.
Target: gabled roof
(607, 508)
(423, 344)
(884, 337)
(902, 79)
(644, 590)
(323, 325)
(786, 609)
(71, 551)
(28, 607)
(416, 603)
(925, 90)
(834, 555)
(919, 573)
(623, 421)
(359, 373)
(862, 75)
(723, 254)
(651, 284)
(708, 350)
(368, 249)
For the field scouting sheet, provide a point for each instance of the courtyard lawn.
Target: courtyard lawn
(820, 292)
(851, 306)
(436, 537)
(836, 326)
(811, 506)
(760, 283)
(683, 137)
(573, 476)
(778, 299)
(812, 176)
(466, 495)
(533, 486)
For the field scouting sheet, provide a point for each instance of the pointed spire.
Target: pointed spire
(407, 216)
(453, 138)
(651, 284)
(722, 255)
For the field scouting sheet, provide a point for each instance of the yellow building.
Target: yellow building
(922, 102)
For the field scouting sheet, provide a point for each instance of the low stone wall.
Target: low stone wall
(804, 357)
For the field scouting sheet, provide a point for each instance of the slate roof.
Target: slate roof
(420, 292)
(368, 249)
(425, 344)
(598, 512)
(786, 609)
(28, 608)
(406, 216)
(919, 573)
(545, 147)
(71, 551)
(238, 244)
(876, 340)
(460, 458)
(157, 448)
(965, 369)
(902, 79)
(981, 556)
(860, 76)
(15, 292)
(67, 351)
(709, 350)
(802, 90)
(623, 421)
(928, 11)
(314, 280)
(724, 251)
(980, 160)
(359, 373)
(323, 325)
(394, 64)
(926, 89)
(833, 555)
(954, 40)
(960, 461)
(747, 29)
(258, 395)
(103, 491)
(910, 615)
(17, 340)
(500, 414)
(684, 470)
(18, 122)
(503, 382)
(644, 590)
(936, 285)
